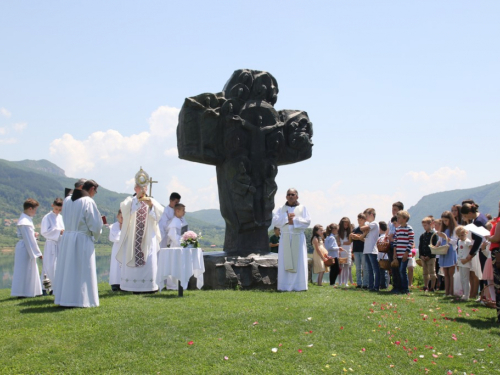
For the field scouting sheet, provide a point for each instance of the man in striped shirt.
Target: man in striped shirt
(404, 238)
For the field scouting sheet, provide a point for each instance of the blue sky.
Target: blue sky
(404, 95)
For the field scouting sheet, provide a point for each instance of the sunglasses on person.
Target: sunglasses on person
(291, 195)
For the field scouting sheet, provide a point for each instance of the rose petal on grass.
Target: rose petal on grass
(363, 350)
(226, 358)
(274, 350)
(310, 331)
(300, 350)
(480, 350)
(280, 344)
(310, 345)
(310, 318)
(255, 323)
(190, 342)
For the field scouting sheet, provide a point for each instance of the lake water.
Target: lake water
(7, 267)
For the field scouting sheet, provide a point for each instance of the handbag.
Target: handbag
(419, 262)
(395, 263)
(329, 262)
(439, 250)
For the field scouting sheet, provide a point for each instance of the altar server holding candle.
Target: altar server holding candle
(52, 230)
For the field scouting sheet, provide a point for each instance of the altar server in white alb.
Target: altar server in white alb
(26, 279)
(177, 226)
(75, 282)
(293, 219)
(166, 219)
(52, 230)
(140, 239)
(115, 266)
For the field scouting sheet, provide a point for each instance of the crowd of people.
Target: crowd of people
(71, 230)
(458, 252)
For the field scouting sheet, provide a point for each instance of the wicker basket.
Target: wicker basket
(395, 263)
(438, 250)
(329, 262)
(383, 246)
(385, 264)
(419, 262)
(343, 260)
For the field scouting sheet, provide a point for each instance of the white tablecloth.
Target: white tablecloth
(179, 263)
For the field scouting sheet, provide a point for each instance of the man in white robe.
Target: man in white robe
(26, 279)
(52, 229)
(139, 240)
(75, 282)
(293, 219)
(78, 186)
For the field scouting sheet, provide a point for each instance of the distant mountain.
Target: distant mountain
(45, 181)
(487, 197)
(211, 216)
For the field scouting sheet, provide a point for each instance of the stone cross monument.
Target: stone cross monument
(239, 131)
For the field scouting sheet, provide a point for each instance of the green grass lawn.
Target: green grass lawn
(323, 330)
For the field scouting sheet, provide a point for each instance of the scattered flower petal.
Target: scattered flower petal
(190, 342)
(300, 350)
(226, 358)
(274, 350)
(310, 345)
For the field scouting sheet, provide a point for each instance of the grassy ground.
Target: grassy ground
(324, 330)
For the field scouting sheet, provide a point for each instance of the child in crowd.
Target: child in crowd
(428, 259)
(436, 228)
(396, 280)
(463, 248)
(52, 229)
(274, 241)
(177, 226)
(384, 275)
(403, 245)
(358, 243)
(333, 251)
(412, 263)
(345, 253)
(319, 254)
(115, 266)
(26, 278)
(448, 261)
(370, 251)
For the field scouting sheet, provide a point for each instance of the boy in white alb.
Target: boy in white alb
(166, 219)
(52, 230)
(464, 245)
(25, 278)
(177, 226)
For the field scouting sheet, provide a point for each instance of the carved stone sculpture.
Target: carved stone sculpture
(239, 131)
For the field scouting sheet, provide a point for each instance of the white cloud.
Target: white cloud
(3, 131)
(20, 126)
(171, 152)
(5, 112)
(444, 178)
(163, 121)
(8, 141)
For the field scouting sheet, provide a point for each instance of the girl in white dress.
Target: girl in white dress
(345, 253)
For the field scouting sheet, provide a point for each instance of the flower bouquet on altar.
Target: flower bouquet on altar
(190, 239)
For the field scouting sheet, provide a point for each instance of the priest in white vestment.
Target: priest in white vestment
(26, 278)
(52, 229)
(140, 239)
(293, 219)
(114, 266)
(75, 282)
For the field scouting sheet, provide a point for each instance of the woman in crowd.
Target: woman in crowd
(455, 210)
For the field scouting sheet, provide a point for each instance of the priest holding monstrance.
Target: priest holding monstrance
(293, 219)
(140, 238)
